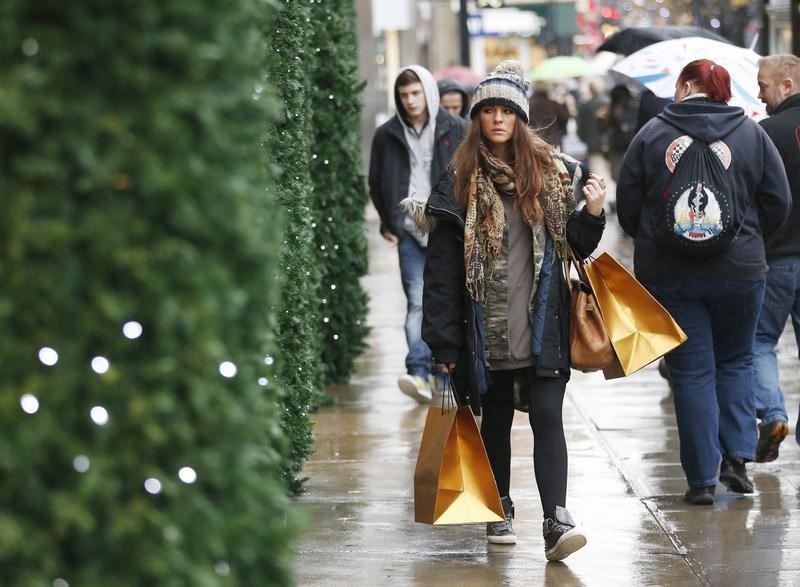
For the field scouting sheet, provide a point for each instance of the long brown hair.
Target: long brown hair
(531, 161)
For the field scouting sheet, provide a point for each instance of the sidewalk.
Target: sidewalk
(625, 483)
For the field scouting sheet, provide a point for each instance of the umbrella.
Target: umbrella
(461, 74)
(562, 67)
(657, 67)
(630, 40)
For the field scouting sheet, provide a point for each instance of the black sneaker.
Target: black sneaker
(663, 370)
(561, 537)
(502, 532)
(699, 495)
(733, 475)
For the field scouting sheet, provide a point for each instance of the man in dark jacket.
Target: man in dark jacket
(779, 89)
(409, 153)
(453, 98)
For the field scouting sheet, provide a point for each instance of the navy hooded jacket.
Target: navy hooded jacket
(783, 127)
(756, 176)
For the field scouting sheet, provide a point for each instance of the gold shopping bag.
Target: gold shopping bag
(640, 329)
(453, 481)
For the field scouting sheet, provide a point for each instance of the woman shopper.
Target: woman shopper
(495, 302)
(716, 298)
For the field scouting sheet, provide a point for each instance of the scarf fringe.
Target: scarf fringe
(480, 268)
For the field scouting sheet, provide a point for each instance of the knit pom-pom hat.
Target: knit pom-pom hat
(506, 85)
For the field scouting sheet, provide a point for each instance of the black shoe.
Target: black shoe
(769, 440)
(699, 495)
(663, 370)
(733, 475)
(502, 532)
(561, 537)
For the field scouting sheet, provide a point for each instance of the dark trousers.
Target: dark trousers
(546, 399)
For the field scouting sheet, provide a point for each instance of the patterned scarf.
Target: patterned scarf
(485, 218)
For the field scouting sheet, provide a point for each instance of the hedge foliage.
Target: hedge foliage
(339, 192)
(299, 369)
(132, 182)
(181, 242)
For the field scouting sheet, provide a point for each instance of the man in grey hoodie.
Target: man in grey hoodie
(409, 153)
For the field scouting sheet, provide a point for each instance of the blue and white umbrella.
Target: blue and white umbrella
(657, 67)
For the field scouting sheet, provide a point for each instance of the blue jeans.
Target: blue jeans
(781, 299)
(412, 266)
(712, 372)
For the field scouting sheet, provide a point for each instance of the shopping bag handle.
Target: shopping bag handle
(573, 261)
(449, 400)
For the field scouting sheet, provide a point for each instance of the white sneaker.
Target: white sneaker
(435, 384)
(416, 387)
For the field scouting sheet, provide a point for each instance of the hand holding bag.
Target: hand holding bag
(453, 481)
(590, 347)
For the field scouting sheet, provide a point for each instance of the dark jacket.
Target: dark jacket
(650, 106)
(589, 125)
(450, 323)
(548, 118)
(622, 119)
(390, 168)
(783, 127)
(755, 175)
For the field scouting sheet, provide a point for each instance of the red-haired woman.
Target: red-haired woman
(716, 298)
(495, 302)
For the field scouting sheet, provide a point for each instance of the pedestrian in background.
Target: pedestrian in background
(409, 153)
(716, 300)
(589, 123)
(620, 125)
(453, 97)
(548, 117)
(650, 105)
(496, 304)
(779, 84)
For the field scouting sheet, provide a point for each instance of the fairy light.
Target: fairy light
(81, 463)
(99, 415)
(132, 329)
(48, 356)
(29, 403)
(100, 365)
(227, 369)
(152, 486)
(187, 475)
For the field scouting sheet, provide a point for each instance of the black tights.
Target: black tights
(546, 399)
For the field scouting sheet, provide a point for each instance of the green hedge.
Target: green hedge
(298, 363)
(132, 187)
(339, 187)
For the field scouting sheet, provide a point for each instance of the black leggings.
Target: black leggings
(546, 399)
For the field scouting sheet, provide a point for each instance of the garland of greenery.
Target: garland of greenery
(299, 369)
(339, 192)
(136, 280)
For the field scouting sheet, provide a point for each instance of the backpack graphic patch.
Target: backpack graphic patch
(699, 218)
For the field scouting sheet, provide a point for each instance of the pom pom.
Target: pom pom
(510, 67)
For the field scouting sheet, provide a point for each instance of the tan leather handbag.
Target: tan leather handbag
(590, 347)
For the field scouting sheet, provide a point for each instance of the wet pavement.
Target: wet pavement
(625, 483)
